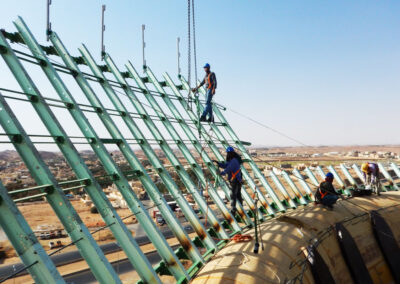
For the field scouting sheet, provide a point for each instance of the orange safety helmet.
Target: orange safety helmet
(365, 167)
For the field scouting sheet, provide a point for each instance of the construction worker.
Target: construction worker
(232, 169)
(371, 175)
(211, 84)
(326, 193)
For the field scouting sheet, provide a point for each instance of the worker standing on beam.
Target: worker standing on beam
(211, 84)
(371, 175)
(326, 193)
(232, 169)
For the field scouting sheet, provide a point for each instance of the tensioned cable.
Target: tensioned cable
(268, 127)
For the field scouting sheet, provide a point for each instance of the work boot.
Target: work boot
(211, 119)
(202, 118)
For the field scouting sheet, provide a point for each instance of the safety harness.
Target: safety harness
(209, 81)
(235, 174)
(322, 194)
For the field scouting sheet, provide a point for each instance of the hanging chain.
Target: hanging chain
(194, 44)
(189, 101)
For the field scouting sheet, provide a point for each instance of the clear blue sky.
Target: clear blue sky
(324, 72)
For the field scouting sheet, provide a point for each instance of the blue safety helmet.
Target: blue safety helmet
(329, 175)
(229, 149)
(207, 65)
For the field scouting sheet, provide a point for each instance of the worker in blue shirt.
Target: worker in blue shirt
(232, 169)
(211, 84)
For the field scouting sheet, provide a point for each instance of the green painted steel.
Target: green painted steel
(311, 176)
(243, 150)
(280, 186)
(123, 145)
(123, 236)
(111, 218)
(182, 236)
(304, 184)
(321, 172)
(193, 140)
(388, 177)
(337, 177)
(209, 140)
(358, 172)
(395, 169)
(294, 188)
(37, 262)
(175, 136)
(348, 175)
(115, 133)
(204, 134)
(71, 221)
(184, 176)
(24, 241)
(137, 208)
(162, 172)
(187, 130)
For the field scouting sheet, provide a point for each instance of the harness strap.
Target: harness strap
(209, 81)
(235, 174)
(322, 194)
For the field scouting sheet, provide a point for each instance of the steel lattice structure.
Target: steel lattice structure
(181, 124)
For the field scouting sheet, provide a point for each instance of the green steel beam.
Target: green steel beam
(336, 176)
(108, 213)
(94, 190)
(321, 172)
(281, 187)
(395, 169)
(358, 172)
(185, 127)
(175, 136)
(240, 146)
(348, 176)
(304, 184)
(133, 73)
(32, 254)
(151, 126)
(361, 175)
(154, 160)
(113, 130)
(204, 134)
(71, 221)
(388, 176)
(294, 187)
(189, 184)
(311, 176)
(210, 142)
(151, 188)
(172, 262)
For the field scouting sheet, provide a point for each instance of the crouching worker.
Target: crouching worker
(232, 169)
(326, 193)
(371, 176)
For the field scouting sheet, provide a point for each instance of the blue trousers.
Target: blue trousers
(208, 108)
(329, 199)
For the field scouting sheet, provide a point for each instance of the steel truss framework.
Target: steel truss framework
(194, 139)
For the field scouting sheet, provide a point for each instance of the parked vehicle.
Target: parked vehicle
(54, 245)
(160, 220)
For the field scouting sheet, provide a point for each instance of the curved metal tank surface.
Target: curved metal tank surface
(288, 239)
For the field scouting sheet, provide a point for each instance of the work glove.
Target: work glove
(215, 161)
